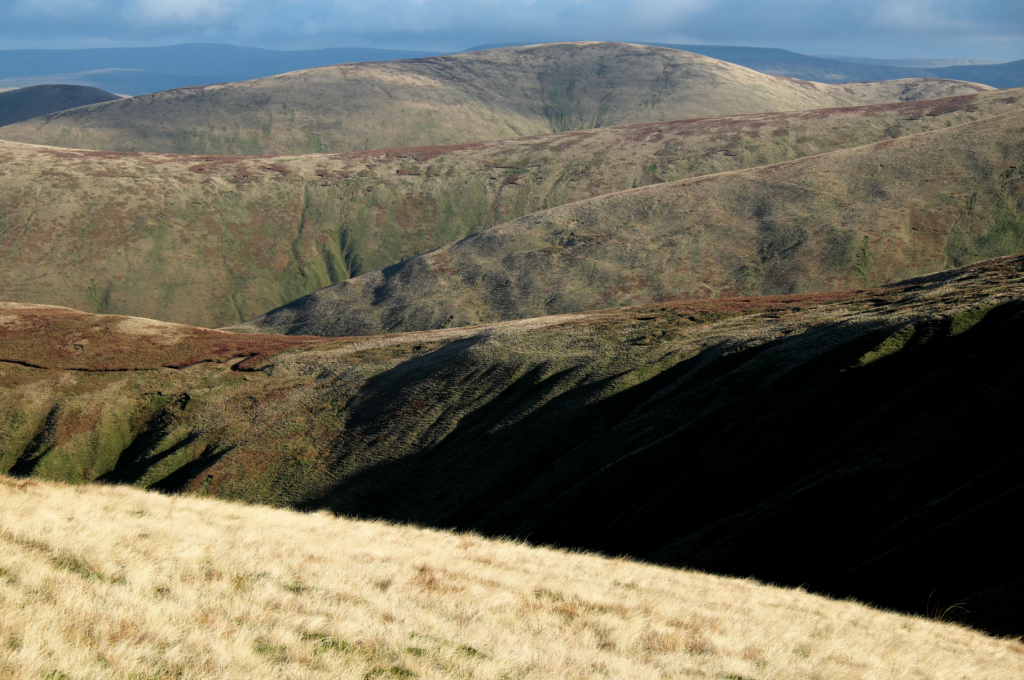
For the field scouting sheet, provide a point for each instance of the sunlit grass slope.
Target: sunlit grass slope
(452, 99)
(112, 582)
(215, 241)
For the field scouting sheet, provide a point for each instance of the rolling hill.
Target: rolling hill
(277, 593)
(213, 241)
(841, 441)
(467, 97)
(840, 220)
(30, 102)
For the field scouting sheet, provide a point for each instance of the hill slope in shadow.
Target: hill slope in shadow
(840, 220)
(40, 100)
(213, 241)
(468, 97)
(839, 441)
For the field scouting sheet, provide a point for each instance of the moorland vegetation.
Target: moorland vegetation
(215, 241)
(840, 220)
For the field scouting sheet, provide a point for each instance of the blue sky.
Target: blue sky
(986, 29)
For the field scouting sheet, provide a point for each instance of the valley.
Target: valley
(682, 433)
(577, 359)
(846, 219)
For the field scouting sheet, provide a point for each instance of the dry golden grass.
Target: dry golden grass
(113, 582)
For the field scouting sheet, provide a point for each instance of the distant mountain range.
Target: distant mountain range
(779, 62)
(913, 63)
(140, 70)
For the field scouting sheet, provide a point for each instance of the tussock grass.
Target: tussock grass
(113, 582)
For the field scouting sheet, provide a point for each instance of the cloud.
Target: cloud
(181, 12)
(872, 27)
(916, 15)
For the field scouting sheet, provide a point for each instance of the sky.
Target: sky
(980, 29)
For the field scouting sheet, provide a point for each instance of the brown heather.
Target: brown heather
(112, 582)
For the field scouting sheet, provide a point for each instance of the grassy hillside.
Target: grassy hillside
(839, 441)
(469, 97)
(162, 586)
(215, 241)
(836, 221)
(40, 100)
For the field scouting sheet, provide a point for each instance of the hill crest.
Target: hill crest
(468, 97)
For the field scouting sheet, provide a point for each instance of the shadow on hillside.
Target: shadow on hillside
(897, 482)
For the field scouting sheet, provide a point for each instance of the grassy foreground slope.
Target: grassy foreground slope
(468, 97)
(162, 586)
(215, 241)
(836, 221)
(839, 441)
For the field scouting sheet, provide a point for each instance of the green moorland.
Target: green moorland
(468, 97)
(835, 221)
(213, 241)
(855, 443)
